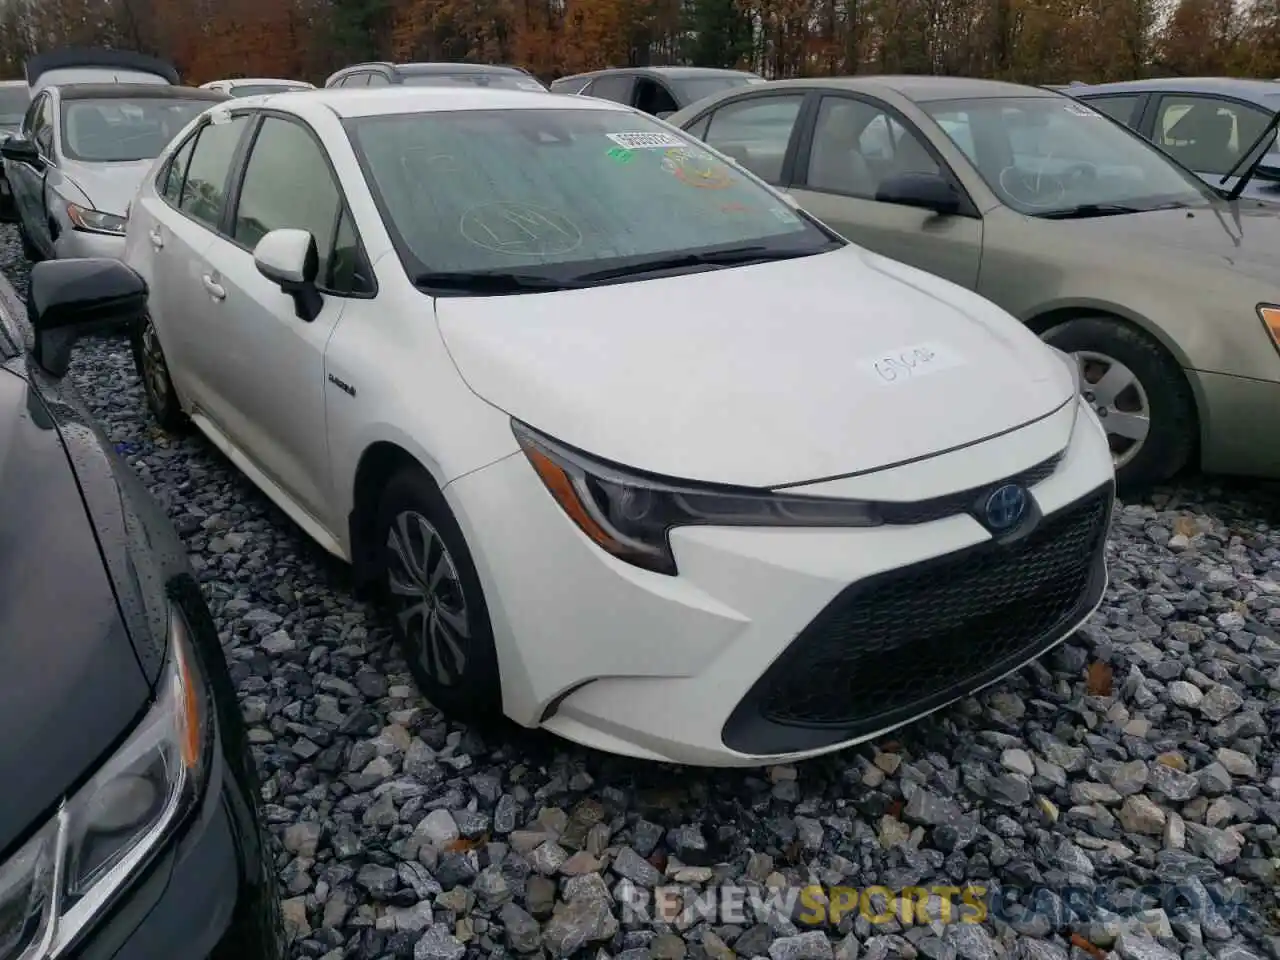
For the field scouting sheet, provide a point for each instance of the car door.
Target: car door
(848, 145)
(270, 378)
(1206, 134)
(27, 180)
(182, 218)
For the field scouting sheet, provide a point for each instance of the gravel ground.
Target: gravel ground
(1136, 766)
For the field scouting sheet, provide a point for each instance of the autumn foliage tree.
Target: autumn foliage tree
(1033, 41)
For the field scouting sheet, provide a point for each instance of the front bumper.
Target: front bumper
(210, 895)
(666, 668)
(77, 243)
(1238, 417)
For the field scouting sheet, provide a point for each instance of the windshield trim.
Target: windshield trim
(412, 266)
(64, 145)
(1209, 193)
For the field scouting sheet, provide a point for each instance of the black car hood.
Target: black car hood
(71, 681)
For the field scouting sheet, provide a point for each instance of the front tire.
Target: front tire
(432, 591)
(1140, 394)
(153, 371)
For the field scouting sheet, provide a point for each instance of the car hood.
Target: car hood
(71, 683)
(109, 187)
(758, 375)
(1244, 235)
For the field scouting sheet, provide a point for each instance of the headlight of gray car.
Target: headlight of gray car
(95, 221)
(64, 876)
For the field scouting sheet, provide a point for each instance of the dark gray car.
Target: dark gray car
(1205, 123)
(660, 91)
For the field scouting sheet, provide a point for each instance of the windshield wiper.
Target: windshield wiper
(730, 257)
(489, 284)
(1086, 210)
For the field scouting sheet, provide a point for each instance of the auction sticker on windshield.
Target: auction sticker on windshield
(645, 141)
(903, 364)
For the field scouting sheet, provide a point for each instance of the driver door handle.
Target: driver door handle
(157, 241)
(213, 288)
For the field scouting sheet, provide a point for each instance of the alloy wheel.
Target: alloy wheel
(154, 370)
(431, 607)
(1117, 396)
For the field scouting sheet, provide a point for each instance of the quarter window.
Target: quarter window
(755, 133)
(1119, 107)
(204, 191)
(856, 145)
(1206, 134)
(287, 184)
(614, 87)
(176, 171)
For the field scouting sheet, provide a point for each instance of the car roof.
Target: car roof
(122, 91)
(674, 73)
(383, 101)
(441, 67)
(1257, 91)
(920, 89)
(255, 80)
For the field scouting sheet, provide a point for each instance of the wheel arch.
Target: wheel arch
(1045, 320)
(378, 463)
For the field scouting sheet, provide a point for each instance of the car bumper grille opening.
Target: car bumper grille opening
(897, 645)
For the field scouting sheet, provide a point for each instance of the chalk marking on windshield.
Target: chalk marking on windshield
(645, 141)
(520, 229)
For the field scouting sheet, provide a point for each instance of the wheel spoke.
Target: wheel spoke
(401, 587)
(401, 543)
(408, 613)
(1115, 381)
(443, 638)
(1131, 426)
(455, 621)
(441, 568)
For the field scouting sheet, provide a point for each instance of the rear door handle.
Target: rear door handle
(213, 288)
(157, 241)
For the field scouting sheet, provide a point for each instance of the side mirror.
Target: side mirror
(288, 258)
(69, 299)
(925, 190)
(19, 150)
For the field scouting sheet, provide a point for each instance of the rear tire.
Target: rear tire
(29, 249)
(1126, 375)
(153, 371)
(430, 587)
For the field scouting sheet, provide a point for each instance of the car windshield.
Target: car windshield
(498, 81)
(13, 104)
(695, 88)
(1050, 156)
(564, 195)
(119, 129)
(255, 89)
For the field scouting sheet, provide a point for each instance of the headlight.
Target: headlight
(95, 221)
(1270, 316)
(629, 514)
(67, 873)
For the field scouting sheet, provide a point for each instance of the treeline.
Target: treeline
(1034, 41)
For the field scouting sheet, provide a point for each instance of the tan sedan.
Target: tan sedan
(1168, 295)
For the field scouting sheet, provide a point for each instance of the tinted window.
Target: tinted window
(653, 97)
(171, 189)
(857, 144)
(13, 104)
(43, 132)
(1118, 107)
(755, 132)
(32, 116)
(616, 87)
(287, 183)
(204, 192)
(378, 80)
(120, 129)
(1207, 134)
(551, 188)
(356, 80)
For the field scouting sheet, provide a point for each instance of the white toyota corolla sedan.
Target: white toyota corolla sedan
(636, 451)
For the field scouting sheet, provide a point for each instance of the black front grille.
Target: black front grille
(901, 643)
(924, 511)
